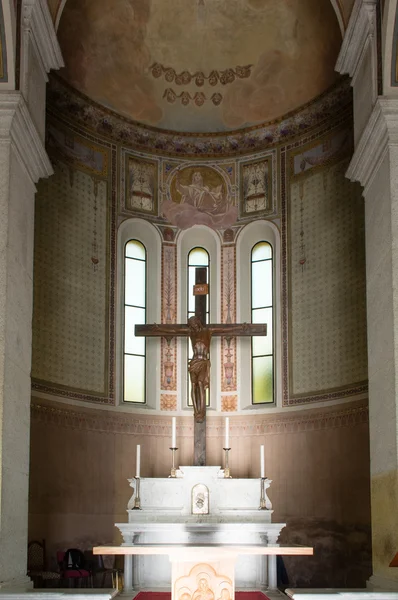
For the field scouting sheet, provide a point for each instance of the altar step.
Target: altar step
(254, 595)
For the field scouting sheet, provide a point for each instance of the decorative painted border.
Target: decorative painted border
(345, 151)
(132, 424)
(272, 187)
(57, 149)
(124, 180)
(77, 107)
(228, 375)
(168, 361)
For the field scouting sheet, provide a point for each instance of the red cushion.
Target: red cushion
(73, 573)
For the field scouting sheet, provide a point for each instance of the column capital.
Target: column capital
(38, 25)
(18, 130)
(380, 134)
(360, 32)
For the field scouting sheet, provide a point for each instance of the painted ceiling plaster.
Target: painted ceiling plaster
(200, 65)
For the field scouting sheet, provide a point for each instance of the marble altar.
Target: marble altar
(199, 506)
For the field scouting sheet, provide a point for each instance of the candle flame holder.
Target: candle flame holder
(137, 500)
(173, 472)
(227, 474)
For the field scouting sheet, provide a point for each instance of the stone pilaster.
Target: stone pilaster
(375, 166)
(23, 161)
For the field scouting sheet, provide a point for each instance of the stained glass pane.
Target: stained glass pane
(134, 249)
(132, 344)
(262, 284)
(198, 257)
(134, 282)
(263, 345)
(263, 385)
(134, 379)
(261, 251)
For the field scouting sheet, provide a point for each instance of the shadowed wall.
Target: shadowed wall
(318, 461)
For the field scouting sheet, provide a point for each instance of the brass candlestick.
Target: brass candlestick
(137, 499)
(173, 472)
(226, 467)
(262, 494)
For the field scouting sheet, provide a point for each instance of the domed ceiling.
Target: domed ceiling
(200, 65)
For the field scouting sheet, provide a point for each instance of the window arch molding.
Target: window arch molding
(148, 235)
(202, 237)
(249, 236)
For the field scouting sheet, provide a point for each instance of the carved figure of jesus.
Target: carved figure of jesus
(199, 366)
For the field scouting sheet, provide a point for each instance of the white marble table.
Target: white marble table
(205, 570)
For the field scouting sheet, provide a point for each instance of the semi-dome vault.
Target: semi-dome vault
(200, 65)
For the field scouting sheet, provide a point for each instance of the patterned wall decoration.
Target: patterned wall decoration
(3, 49)
(322, 154)
(228, 295)
(80, 109)
(303, 184)
(327, 300)
(258, 187)
(73, 287)
(168, 378)
(76, 152)
(70, 341)
(353, 415)
(138, 184)
(168, 402)
(229, 403)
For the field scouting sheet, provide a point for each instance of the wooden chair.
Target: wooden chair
(37, 571)
(72, 575)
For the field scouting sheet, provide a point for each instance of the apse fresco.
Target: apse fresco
(201, 66)
(198, 195)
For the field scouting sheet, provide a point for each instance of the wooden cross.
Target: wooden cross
(199, 366)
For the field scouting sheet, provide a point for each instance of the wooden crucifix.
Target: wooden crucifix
(199, 365)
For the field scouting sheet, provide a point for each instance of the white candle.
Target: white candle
(262, 465)
(138, 461)
(226, 432)
(173, 433)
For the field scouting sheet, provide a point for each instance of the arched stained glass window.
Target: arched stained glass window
(262, 312)
(198, 259)
(134, 313)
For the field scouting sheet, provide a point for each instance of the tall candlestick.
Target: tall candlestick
(262, 467)
(226, 432)
(138, 461)
(173, 433)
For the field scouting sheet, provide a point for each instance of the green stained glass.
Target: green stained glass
(134, 249)
(261, 251)
(263, 384)
(134, 379)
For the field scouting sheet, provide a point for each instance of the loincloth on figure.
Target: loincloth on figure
(199, 370)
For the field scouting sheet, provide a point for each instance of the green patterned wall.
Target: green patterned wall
(327, 298)
(70, 346)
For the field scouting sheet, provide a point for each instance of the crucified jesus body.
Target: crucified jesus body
(199, 366)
